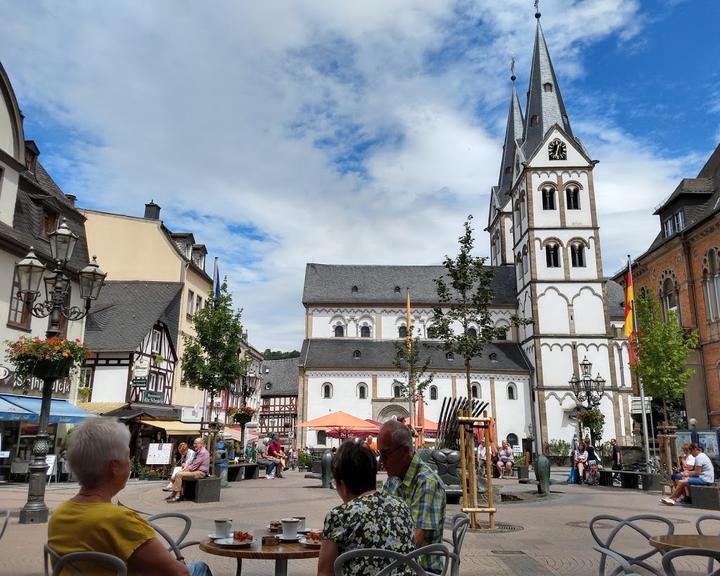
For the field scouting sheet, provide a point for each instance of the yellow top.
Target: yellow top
(100, 527)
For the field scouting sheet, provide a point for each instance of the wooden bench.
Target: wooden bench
(707, 497)
(630, 479)
(243, 471)
(202, 489)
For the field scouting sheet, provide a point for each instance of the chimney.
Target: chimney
(31, 154)
(71, 199)
(152, 211)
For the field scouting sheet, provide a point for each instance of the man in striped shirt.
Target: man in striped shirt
(415, 483)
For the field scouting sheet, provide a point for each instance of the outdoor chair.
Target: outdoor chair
(174, 545)
(460, 525)
(669, 557)
(708, 518)
(6, 514)
(627, 570)
(399, 561)
(70, 562)
(626, 527)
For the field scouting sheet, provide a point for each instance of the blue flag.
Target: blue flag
(216, 279)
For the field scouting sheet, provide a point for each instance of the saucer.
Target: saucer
(232, 542)
(286, 539)
(214, 536)
(308, 543)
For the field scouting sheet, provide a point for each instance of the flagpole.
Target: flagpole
(643, 411)
(408, 347)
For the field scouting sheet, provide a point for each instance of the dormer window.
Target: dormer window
(354, 289)
(357, 354)
(397, 289)
(669, 227)
(49, 223)
(450, 356)
(679, 220)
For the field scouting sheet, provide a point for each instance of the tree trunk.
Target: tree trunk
(467, 384)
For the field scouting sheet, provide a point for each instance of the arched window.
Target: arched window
(493, 357)
(526, 262)
(364, 331)
(577, 255)
(397, 289)
(433, 393)
(357, 354)
(362, 391)
(670, 299)
(516, 214)
(396, 391)
(548, 198)
(327, 390)
(354, 289)
(520, 269)
(472, 332)
(450, 356)
(711, 285)
(512, 439)
(511, 391)
(572, 196)
(402, 331)
(339, 331)
(503, 334)
(475, 389)
(552, 256)
(523, 206)
(547, 87)
(432, 332)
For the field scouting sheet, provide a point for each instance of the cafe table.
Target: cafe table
(668, 542)
(281, 553)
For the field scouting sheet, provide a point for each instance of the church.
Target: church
(546, 256)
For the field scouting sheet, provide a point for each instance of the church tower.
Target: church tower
(543, 219)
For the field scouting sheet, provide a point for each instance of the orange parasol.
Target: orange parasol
(340, 419)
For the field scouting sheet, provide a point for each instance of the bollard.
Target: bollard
(325, 468)
(542, 474)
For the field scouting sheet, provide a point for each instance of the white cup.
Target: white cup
(290, 527)
(223, 528)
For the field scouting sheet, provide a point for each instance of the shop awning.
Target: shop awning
(173, 427)
(235, 433)
(13, 412)
(61, 411)
(101, 408)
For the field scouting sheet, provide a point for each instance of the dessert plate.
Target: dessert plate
(233, 542)
(288, 539)
(310, 543)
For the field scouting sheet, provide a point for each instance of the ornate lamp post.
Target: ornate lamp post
(30, 272)
(587, 389)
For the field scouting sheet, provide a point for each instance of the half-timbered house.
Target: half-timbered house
(278, 395)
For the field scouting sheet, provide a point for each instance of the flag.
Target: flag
(216, 279)
(629, 329)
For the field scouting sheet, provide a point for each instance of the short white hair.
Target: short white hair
(92, 445)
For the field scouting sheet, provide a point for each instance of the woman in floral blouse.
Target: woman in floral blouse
(366, 519)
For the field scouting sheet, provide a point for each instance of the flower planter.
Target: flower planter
(241, 418)
(44, 369)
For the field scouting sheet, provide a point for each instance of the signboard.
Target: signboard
(708, 441)
(153, 397)
(51, 460)
(191, 415)
(636, 405)
(141, 368)
(10, 385)
(140, 383)
(159, 453)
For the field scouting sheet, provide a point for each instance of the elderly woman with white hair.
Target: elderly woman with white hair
(99, 456)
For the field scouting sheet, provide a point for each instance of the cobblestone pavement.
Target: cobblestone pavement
(554, 539)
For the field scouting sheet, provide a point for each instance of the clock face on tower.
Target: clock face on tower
(557, 150)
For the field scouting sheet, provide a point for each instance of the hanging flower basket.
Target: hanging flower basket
(52, 369)
(45, 358)
(242, 418)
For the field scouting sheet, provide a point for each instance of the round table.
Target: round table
(668, 542)
(280, 553)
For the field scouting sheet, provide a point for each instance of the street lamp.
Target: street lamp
(586, 388)
(30, 272)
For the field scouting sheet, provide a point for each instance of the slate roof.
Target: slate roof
(126, 311)
(616, 300)
(333, 284)
(282, 374)
(338, 353)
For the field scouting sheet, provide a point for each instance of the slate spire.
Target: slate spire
(513, 133)
(545, 105)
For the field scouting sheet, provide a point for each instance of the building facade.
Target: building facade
(278, 398)
(682, 269)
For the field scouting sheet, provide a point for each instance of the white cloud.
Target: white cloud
(251, 114)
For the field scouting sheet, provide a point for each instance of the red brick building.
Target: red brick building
(682, 268)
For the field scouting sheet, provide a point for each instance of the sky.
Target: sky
(354, 132)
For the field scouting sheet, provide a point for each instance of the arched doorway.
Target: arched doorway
(392, 411)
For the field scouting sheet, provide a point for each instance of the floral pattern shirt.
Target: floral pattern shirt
(376, 520)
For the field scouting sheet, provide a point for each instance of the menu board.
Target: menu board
(159, 453)
(708, 441)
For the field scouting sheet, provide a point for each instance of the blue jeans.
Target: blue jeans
(696, 481)
(199, 569)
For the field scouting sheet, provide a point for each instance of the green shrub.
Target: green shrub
(557, 448)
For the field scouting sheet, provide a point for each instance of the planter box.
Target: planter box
(523, 472)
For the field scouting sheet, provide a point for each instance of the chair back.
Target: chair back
(75, 561)
(5, 515)
(628, 527)
(624, 564)
(714, 521)
(175, 545)
(399, 563)
(669, 557)
(460, 525)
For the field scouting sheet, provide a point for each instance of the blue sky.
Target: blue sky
(351, 132)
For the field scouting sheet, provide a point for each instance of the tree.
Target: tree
(594, 420)
(662, 351)
(408, 361)
(211, 358)
(465, 294)
(279, 355)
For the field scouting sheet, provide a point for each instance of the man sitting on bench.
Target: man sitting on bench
(703, 474)
(198, 469)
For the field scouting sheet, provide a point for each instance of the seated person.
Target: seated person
(703, 474)
(264, 459)
(505, 460)
(99, 456)
(186, 458)
(366, 518)
(687, 462)
(198, 468)
(580, 459)
(277, 454)
(592, 453)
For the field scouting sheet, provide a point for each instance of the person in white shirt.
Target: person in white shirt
(703, 474)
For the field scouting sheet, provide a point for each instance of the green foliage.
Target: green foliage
(413, 367)
(557, 447)
(465, 294)
(278, 355)
(211, 359)
(305, 459)
(25, 353)
(663, 348)
(594, 420)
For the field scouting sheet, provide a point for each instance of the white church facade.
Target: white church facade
(546, 257)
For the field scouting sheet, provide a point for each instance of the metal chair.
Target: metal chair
(624, 564)
(5, 513)
(698, 526)
(668, 557)
(398, 561)
(67, 562)
(460, 525)
(175, 545)
(629, 523)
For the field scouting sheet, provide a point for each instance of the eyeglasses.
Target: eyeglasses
(385, 453)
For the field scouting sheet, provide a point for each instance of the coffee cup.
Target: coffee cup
(223, 528)
(301, 526)
(290, 527)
